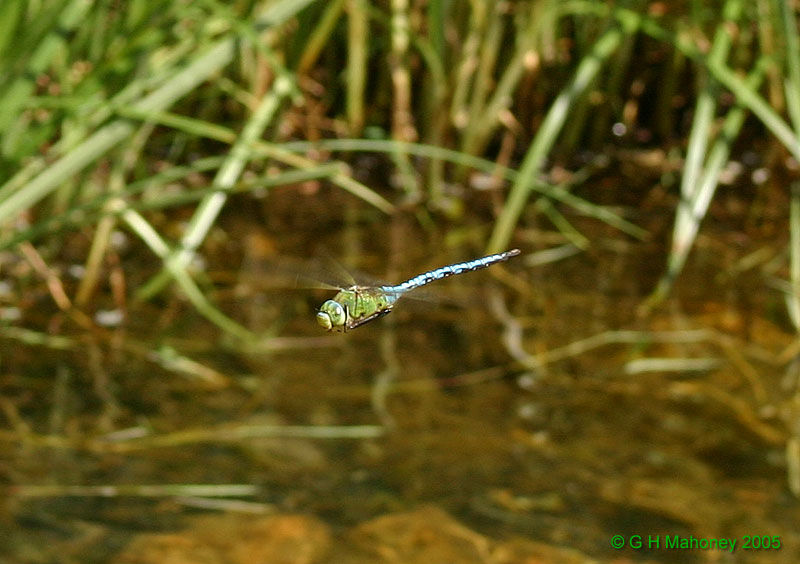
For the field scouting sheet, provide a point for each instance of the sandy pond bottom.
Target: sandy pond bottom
(423, 536)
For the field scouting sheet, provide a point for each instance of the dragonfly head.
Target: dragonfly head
(332, 315)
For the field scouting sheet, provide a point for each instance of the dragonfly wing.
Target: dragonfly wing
(286, 272)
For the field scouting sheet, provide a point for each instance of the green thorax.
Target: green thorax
(355, 306)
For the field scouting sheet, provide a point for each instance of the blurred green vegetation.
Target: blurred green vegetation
(109, 109)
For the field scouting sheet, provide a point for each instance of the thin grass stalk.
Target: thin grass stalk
(434, 121)
(436, 170)
(318, 38)
(133, 490)
(106, 225)
(793, 307)
(357, 40)
(793, 297)
(551, 126)
(27, 337)
(403, 127)
(435, 56)
(769, 44)
(791, 83)
(793, 460)
(191, 126)
(465, 67)
(436, 26)
(482, 81)
(699, 138)
(670, 84)
(545, 15)
(435, 173)
(402, 119)
(58, 416)
(587, 29)
(98, 248)
(238, 433)
(562, 224)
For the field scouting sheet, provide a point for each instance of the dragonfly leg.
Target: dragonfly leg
(367, 319)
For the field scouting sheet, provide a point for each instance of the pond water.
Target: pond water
(530, 416)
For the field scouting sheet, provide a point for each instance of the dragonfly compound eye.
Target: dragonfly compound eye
(331, 315)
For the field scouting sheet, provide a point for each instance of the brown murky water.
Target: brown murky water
(533, 423)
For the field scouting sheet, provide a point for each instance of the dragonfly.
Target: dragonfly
(354, 306)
